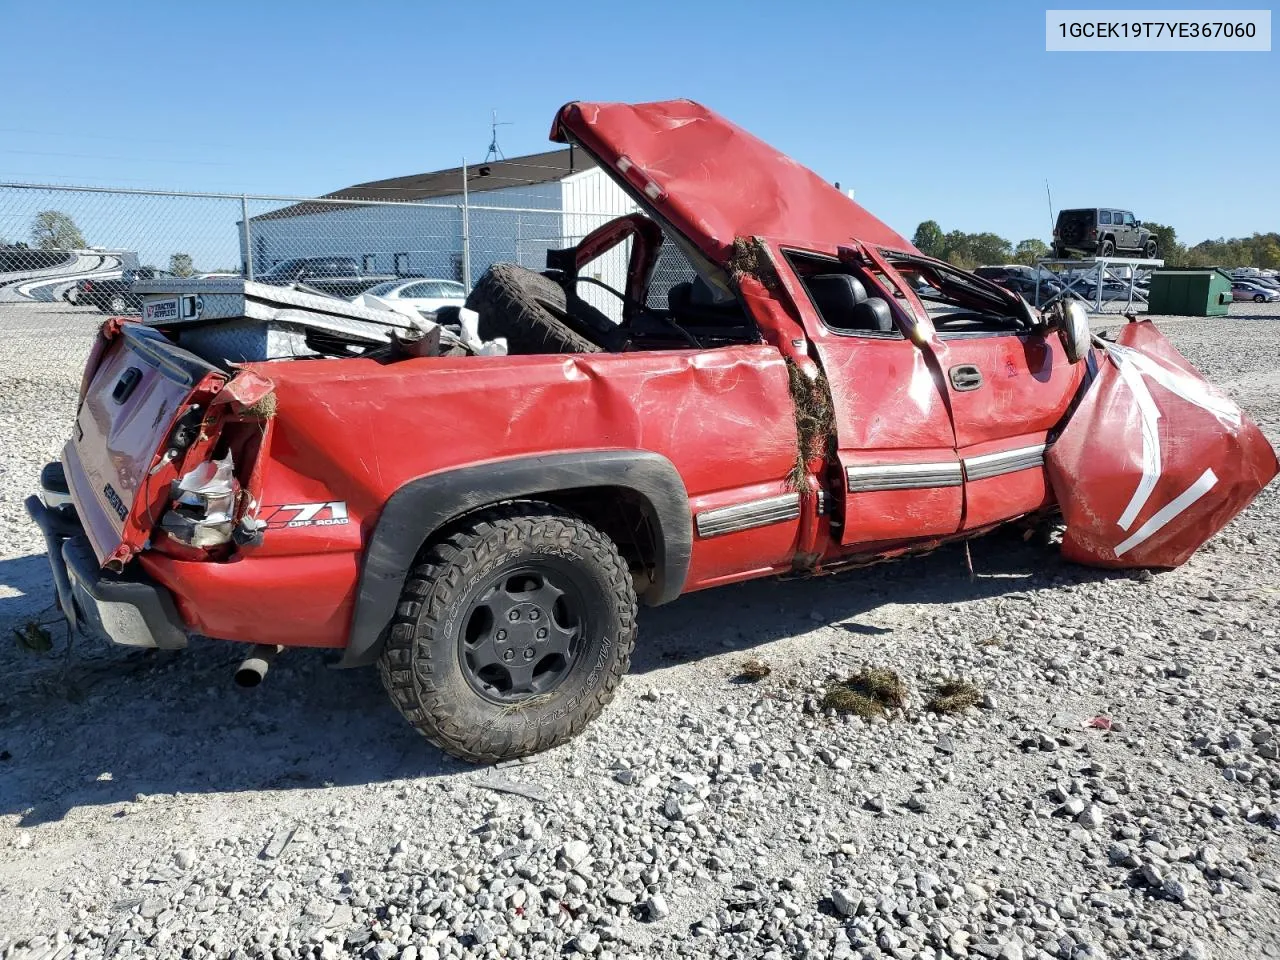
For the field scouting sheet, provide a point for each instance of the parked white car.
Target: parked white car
(422, 293)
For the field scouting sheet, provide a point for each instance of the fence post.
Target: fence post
(466, 231)
(248, 239)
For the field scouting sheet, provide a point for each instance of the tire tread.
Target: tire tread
(405, 664)
(510, 300)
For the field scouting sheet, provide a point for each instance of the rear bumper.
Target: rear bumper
(127, 609)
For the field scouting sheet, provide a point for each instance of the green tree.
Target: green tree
(1029, 251)
(54, 230)
(957, 248)
(1268, 252)
(928, 239)
(989, 248)
(1171, 251)
(181, 265)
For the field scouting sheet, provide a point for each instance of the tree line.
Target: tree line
(1261, 250)
(969, 250)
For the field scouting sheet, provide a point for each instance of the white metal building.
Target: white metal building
(514, 211)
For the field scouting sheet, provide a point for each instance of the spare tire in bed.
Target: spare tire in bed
(535, 315)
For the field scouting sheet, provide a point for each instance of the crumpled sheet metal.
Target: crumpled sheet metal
(715, 181)
(1155, 460)
(244, 390)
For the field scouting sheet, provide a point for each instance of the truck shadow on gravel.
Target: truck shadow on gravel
(746, 615)
(109, 723)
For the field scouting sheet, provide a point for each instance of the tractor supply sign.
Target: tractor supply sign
(159, 311)
(1222, 31)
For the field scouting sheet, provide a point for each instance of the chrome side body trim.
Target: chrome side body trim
(903, 476)
(746, 516)
(1005, 461)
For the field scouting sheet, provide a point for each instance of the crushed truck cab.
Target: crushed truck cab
(483, 526)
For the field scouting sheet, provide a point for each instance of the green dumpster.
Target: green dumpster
(1190, 293)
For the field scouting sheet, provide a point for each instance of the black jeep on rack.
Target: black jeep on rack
(1102, 232)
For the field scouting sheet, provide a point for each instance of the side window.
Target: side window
(1104, 216)
(417, 291)
(672, 269)
(1128, 219)
(332, 267)
(844, 303)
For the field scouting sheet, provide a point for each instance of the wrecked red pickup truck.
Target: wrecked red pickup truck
(798, 407)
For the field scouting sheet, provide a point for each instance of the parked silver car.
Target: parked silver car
(1252, 290)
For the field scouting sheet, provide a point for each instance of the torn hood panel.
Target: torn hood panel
(713, 181)
(1155, 460)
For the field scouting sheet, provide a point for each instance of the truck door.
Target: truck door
(1006, 383)
(901, 478)
(1008, 389)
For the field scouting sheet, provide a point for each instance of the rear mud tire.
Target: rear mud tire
(533, 312)
(1106, 249)
(423, 664)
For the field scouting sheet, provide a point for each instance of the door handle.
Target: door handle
(965, 377)
(124, 386)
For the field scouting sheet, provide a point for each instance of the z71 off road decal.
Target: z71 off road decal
(331, 513)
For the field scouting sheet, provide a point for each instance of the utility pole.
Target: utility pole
(466, 231)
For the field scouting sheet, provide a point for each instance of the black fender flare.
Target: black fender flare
(421, 507)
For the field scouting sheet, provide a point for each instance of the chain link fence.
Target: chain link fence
(78, 248)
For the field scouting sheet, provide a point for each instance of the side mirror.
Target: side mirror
(1072, 323)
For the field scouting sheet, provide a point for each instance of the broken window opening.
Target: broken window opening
(841, 296)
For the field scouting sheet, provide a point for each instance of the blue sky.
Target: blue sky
(950, 111)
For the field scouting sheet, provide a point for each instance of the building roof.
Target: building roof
(548, 167)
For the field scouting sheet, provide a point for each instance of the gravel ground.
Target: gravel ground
(1116, 793)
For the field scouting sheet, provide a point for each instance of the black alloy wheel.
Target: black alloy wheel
(523, 633)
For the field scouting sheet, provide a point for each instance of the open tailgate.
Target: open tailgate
(1155, 460)
(137, 388)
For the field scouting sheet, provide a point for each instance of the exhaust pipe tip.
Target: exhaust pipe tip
(251, 673)
(253, 670)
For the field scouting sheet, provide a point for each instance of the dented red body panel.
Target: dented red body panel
(714, 181)
(353, 431)
(935, 436)
(1155, 460)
